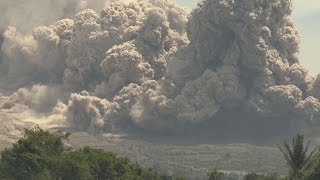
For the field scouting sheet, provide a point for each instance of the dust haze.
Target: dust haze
(227, 68)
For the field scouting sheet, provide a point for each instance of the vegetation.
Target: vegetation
(215, 175)
(43, 155)
(314, 173)
(255, 176)
(297, 157)
(40, 155)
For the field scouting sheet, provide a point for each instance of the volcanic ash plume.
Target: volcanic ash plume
(102, 54)
(26, 15)
(145, 63)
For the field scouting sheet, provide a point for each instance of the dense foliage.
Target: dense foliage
(215, 175)
(43, 155)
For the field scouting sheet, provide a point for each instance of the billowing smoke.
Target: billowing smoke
(25, 15)
(149, 64)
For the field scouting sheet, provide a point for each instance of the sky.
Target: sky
(306, 15)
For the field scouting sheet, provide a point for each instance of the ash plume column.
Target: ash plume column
(128, 42)
(1, 37)
(244, 59)
(258, 41)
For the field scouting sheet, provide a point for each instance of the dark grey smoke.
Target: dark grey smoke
(1, 38)
(147, 64)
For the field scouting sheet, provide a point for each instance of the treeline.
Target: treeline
(42, 155)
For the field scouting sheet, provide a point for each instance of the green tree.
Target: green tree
(27, 158)
(297, 157)
(215, 175)
(106, 165)
(41, 154)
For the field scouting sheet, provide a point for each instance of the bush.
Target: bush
(42, 155)
(215, 175)
(29, 157)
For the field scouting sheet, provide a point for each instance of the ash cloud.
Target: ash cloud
(25, 15)
(150, 64)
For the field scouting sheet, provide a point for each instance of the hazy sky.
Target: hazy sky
(307, 17)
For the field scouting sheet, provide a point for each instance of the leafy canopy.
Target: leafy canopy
(41, 154)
